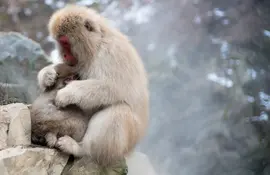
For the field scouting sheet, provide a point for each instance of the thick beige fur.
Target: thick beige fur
(112, 75)
(49, 122)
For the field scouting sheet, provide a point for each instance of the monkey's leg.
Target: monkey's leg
(111, 134)
(72, 129)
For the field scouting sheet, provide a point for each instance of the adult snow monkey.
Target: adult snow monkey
(112, 76)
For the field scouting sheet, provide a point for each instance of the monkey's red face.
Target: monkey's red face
(66, 49)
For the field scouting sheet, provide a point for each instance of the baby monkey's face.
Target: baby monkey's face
(63, 81)
(65, 74)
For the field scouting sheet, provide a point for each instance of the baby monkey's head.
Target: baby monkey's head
(65, 74)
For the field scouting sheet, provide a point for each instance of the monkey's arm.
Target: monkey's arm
(47, 77)
(88, 94)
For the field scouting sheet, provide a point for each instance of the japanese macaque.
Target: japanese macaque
(112, 76)
(49, 122)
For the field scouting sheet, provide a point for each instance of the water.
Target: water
(208, 72)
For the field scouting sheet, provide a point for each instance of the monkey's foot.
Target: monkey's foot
(68, 145)
(51, 139)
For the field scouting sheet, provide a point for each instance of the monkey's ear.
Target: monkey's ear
(88, 26)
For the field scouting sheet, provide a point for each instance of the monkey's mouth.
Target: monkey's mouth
(68, 56)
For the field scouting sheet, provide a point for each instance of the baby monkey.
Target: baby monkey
(48, 122)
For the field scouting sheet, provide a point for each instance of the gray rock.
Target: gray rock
(85, 166)
(31, 161)
(4, 123)
(20, 60)
(16, 132)
(20, 124)
(137, 163)
(17, 156)
(15, 125)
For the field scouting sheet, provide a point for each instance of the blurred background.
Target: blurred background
(209, 71)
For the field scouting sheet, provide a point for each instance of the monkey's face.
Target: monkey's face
(63, 81)
(65, 74)
(78, 33)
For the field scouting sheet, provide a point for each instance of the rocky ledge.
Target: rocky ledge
(19, 156)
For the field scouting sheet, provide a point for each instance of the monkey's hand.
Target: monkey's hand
(67, 96)
(47, 77)
(88, 94)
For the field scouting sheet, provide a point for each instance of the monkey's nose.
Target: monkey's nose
(63, 39)
(64, 42)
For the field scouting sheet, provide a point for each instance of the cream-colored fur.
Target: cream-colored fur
(112, 75)
(49, 122)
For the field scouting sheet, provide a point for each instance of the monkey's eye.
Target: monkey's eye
(88, 26)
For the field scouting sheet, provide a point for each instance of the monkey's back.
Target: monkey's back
(46, 117)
